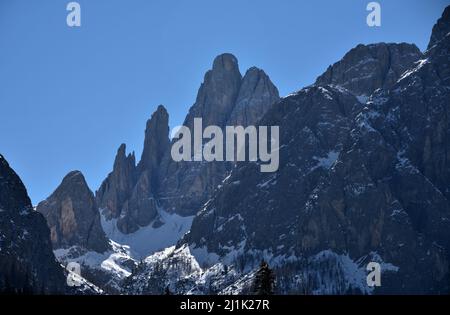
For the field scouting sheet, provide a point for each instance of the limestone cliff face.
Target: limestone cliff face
(27, 263)
(115, 189)
(217, 95)
(256, 94)
(366, 179)
(127, 194)
(440, 29)
(366, 68)
(224, 98)
(132, 194)
(156, 142)
(72, 215)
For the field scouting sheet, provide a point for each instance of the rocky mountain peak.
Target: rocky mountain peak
(366, 68)
(225, 62)
(124, 162)
(441, 28)
(256, 94)
(127, 192)
(116, 188)
(72, 215)
(224, 98)
(254, 72)
(13, 195)
(72, 179)
(27, 263)
(156, 139)
(218, 92)
(356, 183)
(120, 156)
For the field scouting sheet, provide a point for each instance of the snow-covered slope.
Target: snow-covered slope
(178, 270)
(110, 269)
(106, 270)
(165, 231)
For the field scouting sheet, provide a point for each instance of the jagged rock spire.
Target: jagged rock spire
(72, 215)
(156, 140)
(127, 193)
(116, 188)
(256, 94)
(217, 94)
(224, 98)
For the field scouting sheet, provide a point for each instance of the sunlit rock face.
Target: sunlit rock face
(224, 98)
(131, 194)
(72, 215)
(364, 176)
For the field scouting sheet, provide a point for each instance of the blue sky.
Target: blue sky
(70, 96)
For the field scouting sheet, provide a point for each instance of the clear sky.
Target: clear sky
(70, 96)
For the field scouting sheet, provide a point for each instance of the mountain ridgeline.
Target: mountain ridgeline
(27, 263)
(364, 176)
(131, 194)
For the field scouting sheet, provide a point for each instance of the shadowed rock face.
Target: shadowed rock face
(217, 94)
(366, 68)
(131, 194)
(356, 178)
(156, 142)
(441, 28)
(224, 98)
(364, 176)
(116, 188)
(127, 194)
(72, 215)
(186, 185)
(256, 94)
(27, 263)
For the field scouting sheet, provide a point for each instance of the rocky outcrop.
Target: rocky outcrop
(441, 28)
(116, 188)
(27, 263)
(128, 192)
(131, 195)
(224, 98)
(156, 142)
(185, 185)
(256, 94)
(140, 209)
(364, 177)
(73, 217)
(357, 182)
(217, 94)
(366, 68)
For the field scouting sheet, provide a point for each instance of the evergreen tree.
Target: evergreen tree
(264, 280)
